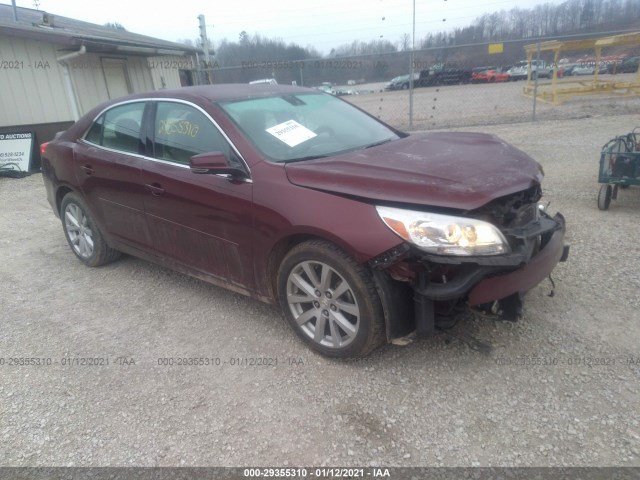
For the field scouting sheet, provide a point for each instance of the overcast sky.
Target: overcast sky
(322, 23)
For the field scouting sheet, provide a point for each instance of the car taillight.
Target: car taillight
(43, 147)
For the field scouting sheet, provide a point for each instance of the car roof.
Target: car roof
(219, 93)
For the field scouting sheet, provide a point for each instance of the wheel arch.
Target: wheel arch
(95, 252)
(395, 297)
(62, 191)
(280, 249)
(364, 295)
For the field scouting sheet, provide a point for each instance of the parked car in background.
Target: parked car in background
(539, 69)
(630, 65)
(482, 69)
(566, 69)
(605, 67)
(402, 82)
(490, 76)
(342, 92)
(360, 232)
(444, 74)
(268, 81)
(326, 89)
(583, 69)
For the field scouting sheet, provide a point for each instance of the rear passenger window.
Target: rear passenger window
(119, 128)
(94, 135)
(182, 131)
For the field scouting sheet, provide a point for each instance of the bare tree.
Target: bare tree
(405, 42)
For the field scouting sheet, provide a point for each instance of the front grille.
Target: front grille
(513, 210)
(525, 215)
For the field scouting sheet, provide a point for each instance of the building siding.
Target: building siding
(88, 79)
(90, 83)
(165, 70)
(34, 92)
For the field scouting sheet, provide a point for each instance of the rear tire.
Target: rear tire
(82, 233)
(330, 300)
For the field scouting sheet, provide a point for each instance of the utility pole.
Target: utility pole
(412, 67)
(205, 48)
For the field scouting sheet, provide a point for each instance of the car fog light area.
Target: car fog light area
(445, 234)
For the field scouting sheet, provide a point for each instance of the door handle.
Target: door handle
(155, 189)
(88, 169)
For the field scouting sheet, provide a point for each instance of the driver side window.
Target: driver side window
(181, 131)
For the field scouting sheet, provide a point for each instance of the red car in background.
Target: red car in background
(490, 76)
(360, 232)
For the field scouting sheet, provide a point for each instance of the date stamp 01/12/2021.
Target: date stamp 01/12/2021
(166, 361)
(263, 361)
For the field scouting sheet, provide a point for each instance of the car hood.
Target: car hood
(450, 170)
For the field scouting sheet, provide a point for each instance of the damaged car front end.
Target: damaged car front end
(466, 210)
(486, 259)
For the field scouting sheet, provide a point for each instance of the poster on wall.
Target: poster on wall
(15, 151)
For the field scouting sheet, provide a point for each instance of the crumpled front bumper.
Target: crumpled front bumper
(538, 246)
(528, 276)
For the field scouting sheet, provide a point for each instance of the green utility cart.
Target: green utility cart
(619, 167)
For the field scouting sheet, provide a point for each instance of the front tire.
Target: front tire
(330, 300)
(82, 233)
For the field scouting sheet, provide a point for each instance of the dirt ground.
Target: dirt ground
(485, 104)
(560, 388)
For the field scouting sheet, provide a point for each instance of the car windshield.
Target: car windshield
(299, 127)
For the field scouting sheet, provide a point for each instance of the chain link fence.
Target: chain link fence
(445, 89)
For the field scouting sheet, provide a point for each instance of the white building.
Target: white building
(54, 69)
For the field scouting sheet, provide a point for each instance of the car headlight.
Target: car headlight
(445, 234)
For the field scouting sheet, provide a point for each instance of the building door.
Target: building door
(116, 78)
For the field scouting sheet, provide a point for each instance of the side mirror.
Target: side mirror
(214, 163)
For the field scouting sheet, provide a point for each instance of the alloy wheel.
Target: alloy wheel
(323, 304)
(78, 229)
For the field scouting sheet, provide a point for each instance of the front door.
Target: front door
(200, 220)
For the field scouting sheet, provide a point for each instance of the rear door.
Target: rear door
(108, 167)
(200, 220)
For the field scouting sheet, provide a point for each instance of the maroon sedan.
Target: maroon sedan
(360, 232)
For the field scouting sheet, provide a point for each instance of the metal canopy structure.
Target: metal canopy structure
(558, 91)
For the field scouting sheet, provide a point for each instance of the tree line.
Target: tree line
(377, 59)
(546, 20)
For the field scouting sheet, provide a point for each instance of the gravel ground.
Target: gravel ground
(561, 387)
(487, 104)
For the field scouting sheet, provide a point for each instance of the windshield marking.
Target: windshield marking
(291, 133)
